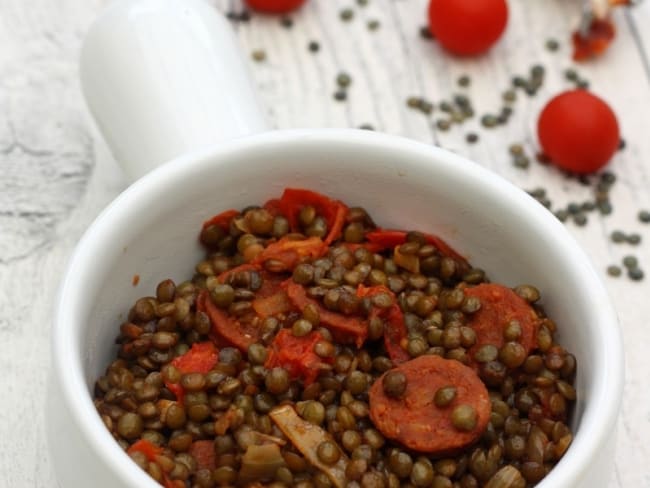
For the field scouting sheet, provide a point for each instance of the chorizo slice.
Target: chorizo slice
(499, 306)
(414, 418)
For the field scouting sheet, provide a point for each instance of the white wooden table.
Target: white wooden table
(56, 173)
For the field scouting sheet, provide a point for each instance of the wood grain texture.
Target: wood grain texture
(56, 174)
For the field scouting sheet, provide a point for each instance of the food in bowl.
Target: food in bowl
(314, 348)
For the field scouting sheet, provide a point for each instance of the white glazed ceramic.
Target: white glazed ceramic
(147, 111)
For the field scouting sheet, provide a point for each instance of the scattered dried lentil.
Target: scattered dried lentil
(644, 216)
(464, 81)
(346, 14)
(605, 207)
(509, 96)
(588, 206)
(519, 82)
(614, 270)
(426, 107)
(413, 102)
(543, 158)
(489, 121)
(580, 219)
(635, 274)
(537, 71)
(608, 178)
(552, 45)
(630, 261)
(516, 149)
(573, 208)
(472, 138)
(521, 161)
(633, 239)
(537, 192)
(340, 95)
(571, 74)
(373, 25)
(443, 124)
(258, 55)
(343, 80)
(562, 215)
(425, 32)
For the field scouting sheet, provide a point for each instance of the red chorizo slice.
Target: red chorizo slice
(414, 419)
(499, 306)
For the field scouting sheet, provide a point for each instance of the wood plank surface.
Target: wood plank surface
(56, 173)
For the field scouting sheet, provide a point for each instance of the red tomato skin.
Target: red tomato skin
(578, 131)
(467, 27)
(274, 6)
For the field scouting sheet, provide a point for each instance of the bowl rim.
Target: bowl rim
(598, 418)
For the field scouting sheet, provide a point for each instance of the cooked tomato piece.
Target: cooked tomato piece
(290, 251)
(333, 211)
(225, 327)
(342, 327)
(600, 35)
(395, 333)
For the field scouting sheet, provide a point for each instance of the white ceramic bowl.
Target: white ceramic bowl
(151, 230)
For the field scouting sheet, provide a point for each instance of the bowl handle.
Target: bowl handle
(164, 77)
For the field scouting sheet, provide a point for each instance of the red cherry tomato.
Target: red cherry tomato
(467, 27)
(274, 6)
(578, 131)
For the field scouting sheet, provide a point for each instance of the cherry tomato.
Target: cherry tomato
(467, 27)
(578, 131)
(274, 6)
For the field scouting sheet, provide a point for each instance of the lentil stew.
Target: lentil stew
(312, 348)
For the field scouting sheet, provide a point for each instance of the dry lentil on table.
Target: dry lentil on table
(229, 405)
(373, 25)
(346, 14)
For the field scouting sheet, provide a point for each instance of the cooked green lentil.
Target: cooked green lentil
(444, 396)
(228, 405)
(463, 417)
